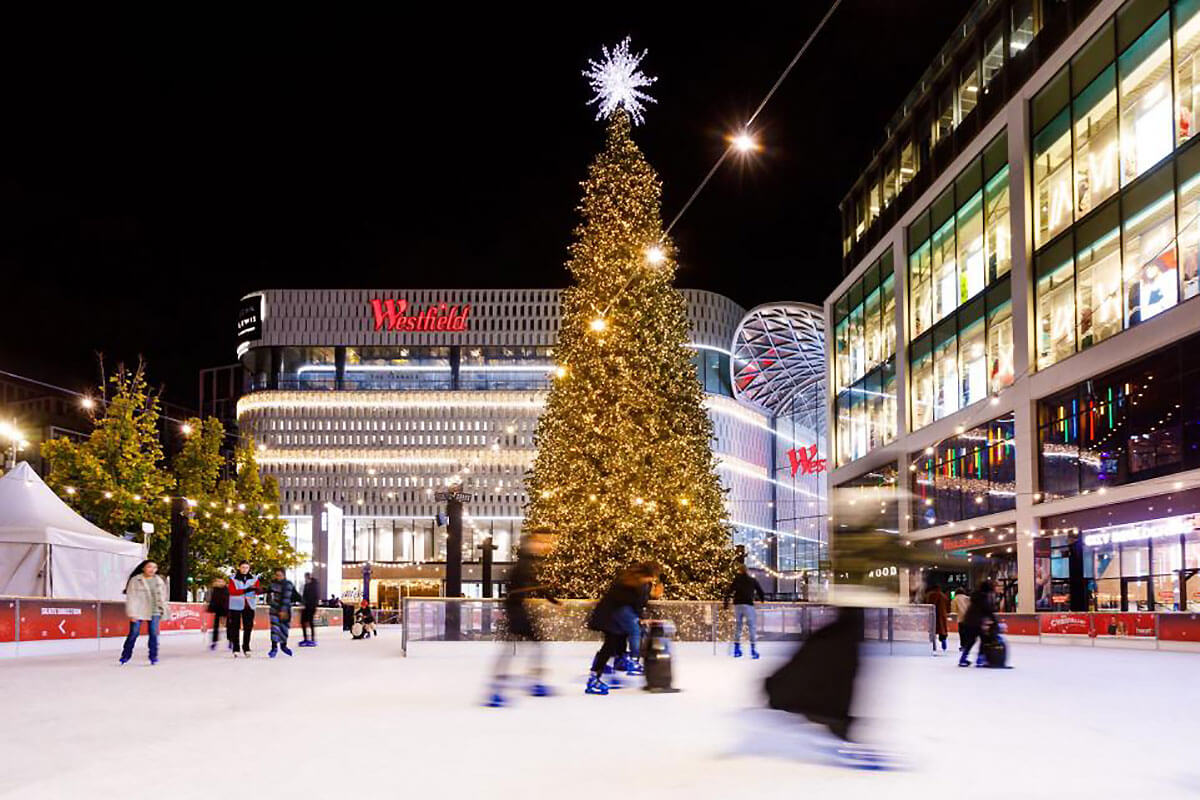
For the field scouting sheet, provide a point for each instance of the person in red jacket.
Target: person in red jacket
(243, 599)
(941, 613)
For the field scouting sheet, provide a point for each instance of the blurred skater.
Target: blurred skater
(282, 596)
(218, 606)
(630, 617)
(524, 584)
(962, 600)
(243, 599)
(941, 612)
(145, 599)
(610, 619)
(308, 616)
(981, 609)
(743, 590)
(364, 621)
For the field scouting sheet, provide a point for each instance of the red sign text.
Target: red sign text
(393, 315)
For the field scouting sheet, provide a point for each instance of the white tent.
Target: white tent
(47, 550)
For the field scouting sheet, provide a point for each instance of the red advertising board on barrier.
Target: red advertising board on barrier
(1066, 624)
(8, 620)
(1020, 624)
(1179, 627)
(46, 620)
(1117, 624)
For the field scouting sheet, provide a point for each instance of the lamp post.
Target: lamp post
(454, 499)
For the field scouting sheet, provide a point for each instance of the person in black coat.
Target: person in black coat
(525, 583)
(608, 617)
(982, 609)
(310, 596)
(218, 606)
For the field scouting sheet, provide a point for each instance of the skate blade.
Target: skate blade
(866, 757)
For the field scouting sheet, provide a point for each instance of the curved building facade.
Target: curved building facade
(365, 402)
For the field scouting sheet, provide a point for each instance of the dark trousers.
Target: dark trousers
(307, 629)
(613, 646)
(967, 635)
(216, 625)
(241, 620)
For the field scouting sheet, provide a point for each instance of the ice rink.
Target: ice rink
(356, 719)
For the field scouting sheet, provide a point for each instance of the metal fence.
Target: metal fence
(472, 620)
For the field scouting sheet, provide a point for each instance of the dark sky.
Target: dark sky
(159, 167)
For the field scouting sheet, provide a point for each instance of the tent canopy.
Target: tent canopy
(46, 549)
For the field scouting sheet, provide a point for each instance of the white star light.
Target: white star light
(617, 82)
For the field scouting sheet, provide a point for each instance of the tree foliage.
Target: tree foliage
(624, 470)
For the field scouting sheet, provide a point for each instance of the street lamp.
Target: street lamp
(16, 441)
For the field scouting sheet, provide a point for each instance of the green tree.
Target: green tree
(115, 478)
(624, 470)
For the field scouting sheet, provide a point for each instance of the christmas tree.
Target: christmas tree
(624, 471)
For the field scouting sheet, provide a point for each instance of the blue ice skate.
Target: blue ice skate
(753, 651)
(635, 667)
(540, 690)
(595, 685)
(737, 650)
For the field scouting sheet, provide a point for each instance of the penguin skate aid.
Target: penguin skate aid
(821, 680)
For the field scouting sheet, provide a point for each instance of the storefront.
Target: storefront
(968, 559)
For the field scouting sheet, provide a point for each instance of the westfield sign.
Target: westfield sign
(804, 460)
(394, 315)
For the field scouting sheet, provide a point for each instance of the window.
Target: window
(1022, 28)
(972, 353)
(922, 382)
(1056, 305)
(945, 277)
(908, 163)
(921, 281)
(972, 273)
(864, 345)
(1151, 281)
(993, 56)
(890, 187)
(1146, 129)
(888, 313)
(968, 90)
(1052, 179)
(943, 126)
(1188, 169)
(1096, 151)
(1000, 337)
(1098, 277)
(967, 475)
(999, 236)
(945, 370)
(1187, 69)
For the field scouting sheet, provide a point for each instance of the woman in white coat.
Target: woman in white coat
(145, 599)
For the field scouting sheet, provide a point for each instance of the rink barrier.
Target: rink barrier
(27, 624)
(1170, 630)
(424, 620)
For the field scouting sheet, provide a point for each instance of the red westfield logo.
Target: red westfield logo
(393, 315)
(805, 461)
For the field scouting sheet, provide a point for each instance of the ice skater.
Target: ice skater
(243, 599)
(630, 618)
(524, 584)
(941, 613)
(282, 596)
(610, 619)
(744, 590)
(970, 626)
(308, 615)
(218, 606)
(364, 621)
(145, 599)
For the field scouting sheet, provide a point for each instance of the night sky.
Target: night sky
(159, 167)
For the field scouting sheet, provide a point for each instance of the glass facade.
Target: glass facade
(864, 362)
(1141, 421)
(968, 475)
(1104, 126)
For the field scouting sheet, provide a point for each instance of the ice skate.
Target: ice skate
(754, 651)
(540, 690)
(620, 664)
(286, 650)
(635, 667)
(595, 685)
(737, 650)
(123, 660)
(273, 652)
(153, 661)
(495, 699)
(865, 756)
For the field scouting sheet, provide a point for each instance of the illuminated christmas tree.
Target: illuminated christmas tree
(624, 470)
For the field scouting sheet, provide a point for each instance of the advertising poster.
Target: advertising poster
(45, 620)
(8, 620)
(1066, 624)
(1123, 625)
(1179, 627)
(1041, 575)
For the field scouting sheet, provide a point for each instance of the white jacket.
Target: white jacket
(138, 598)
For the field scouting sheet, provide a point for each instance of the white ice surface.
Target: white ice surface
(354, 719)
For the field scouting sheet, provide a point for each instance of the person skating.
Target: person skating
(218, 606)
(606, 618)
(364, 621)
(630, 619)
(243, 599)
(145, 599)
(744, 590)
(308, 616)
(962, 600)
(282, 596)
(981, 609)
(941, 613)
(524, 584)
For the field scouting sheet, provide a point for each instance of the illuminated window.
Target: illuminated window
(972, 274)
(993, 56)
(968, 90)
(1022, 27)
(1000, 336)
(922, 382)
(1052, 179)
(888, 315)
(921, 282)
(1188, 169)
(945, 277)
(1096, 151)
(908, 164)
(1098, 279)
(999, 236)
(1150, 270)
(890, 186)
(1056, 305)
(1187, 69)
(1146, 129)
(945, 370)
(972, 353)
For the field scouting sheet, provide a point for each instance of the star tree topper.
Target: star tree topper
(617, 82)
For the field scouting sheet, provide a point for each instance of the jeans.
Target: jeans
(629, 621)
(135, 627)
(743, 612)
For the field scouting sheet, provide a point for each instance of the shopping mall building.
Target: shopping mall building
(364, 403)
(1016, 341)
